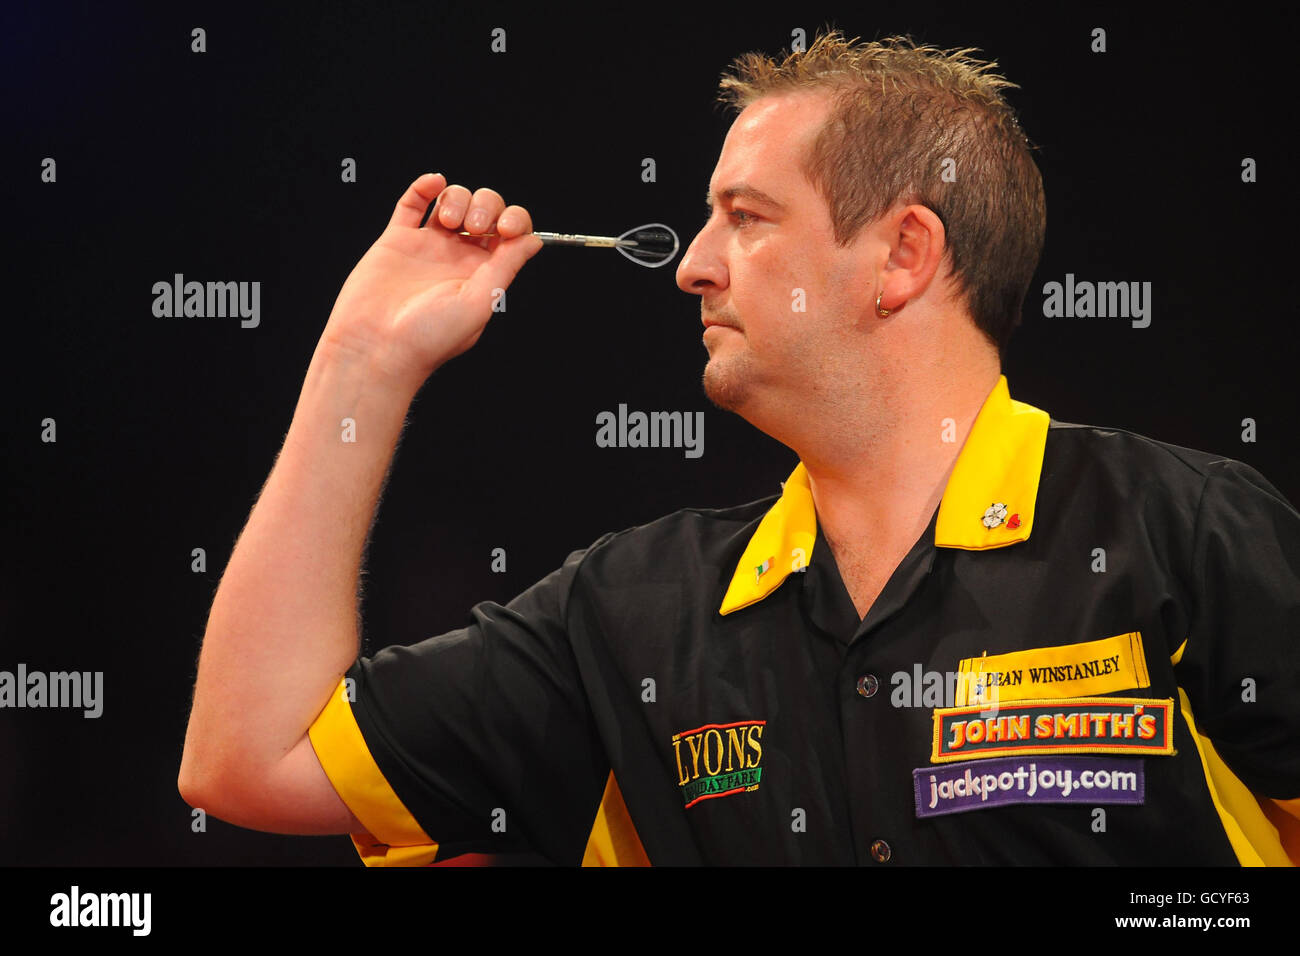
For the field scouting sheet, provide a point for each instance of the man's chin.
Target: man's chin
(724, 389)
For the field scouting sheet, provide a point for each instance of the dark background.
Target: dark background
(225, 166)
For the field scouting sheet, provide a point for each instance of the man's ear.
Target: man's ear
(917, 245)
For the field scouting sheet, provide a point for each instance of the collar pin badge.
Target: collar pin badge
(997, 514)
(762, 569)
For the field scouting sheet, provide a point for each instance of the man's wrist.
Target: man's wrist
(377, 368)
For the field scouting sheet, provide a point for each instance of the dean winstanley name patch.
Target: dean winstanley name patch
(1072, 670)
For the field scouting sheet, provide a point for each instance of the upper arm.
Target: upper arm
(294, 796)
(479, 740)
(304, 800)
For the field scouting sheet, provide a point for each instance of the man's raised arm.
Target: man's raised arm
(284, 623)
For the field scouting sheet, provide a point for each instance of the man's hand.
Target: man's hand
(422, 295)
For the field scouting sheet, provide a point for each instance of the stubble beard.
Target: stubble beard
(727, 382)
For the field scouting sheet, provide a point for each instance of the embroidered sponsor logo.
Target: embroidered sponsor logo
(976, 784)
(1125, 725)
(1071, 670)
(718, 760)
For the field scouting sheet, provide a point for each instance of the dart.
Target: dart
(651, 245)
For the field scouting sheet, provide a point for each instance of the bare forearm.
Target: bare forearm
(283, 624)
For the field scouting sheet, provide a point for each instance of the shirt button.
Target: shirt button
(868, 685)
(880, 851)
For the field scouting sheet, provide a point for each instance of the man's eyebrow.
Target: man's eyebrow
(745, 191)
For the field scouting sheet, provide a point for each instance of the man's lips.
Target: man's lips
(709, 323)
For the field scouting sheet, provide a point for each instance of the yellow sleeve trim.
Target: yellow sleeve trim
(614, 840)
(1254, 838)
(1285, 815)
(1290, 806)
(393, 836)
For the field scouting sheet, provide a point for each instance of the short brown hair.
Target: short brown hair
(899, 112)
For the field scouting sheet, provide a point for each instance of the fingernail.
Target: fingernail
(477, 219)
(506, 222)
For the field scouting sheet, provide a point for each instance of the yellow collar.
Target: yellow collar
(1000, 463)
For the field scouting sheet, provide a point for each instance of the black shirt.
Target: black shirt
(1090, 656)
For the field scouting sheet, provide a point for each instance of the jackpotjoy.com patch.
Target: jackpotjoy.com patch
(958, 787)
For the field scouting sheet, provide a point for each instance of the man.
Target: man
(962, 633)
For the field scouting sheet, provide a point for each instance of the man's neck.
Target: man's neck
(879, 472)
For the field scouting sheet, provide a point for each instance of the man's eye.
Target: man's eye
(736, 214)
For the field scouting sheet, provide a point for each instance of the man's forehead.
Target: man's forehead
(765, 147)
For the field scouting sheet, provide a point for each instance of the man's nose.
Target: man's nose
(701, 268)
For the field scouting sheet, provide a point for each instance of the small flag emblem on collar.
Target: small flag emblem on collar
(997, 515)
(762, 569)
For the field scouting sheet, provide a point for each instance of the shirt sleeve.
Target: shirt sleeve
(477, 740)
(1240, 665)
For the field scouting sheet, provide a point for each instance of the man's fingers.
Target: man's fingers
(415, 201)
(515, 221)
(484, 208)
(452, 206)
(483, 211)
